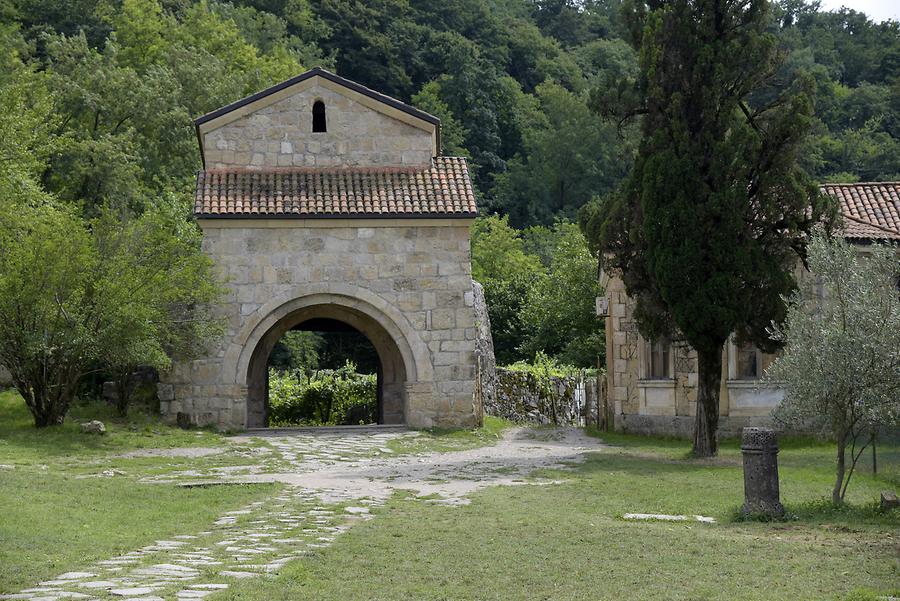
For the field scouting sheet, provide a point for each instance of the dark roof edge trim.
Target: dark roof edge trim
(200, 144)
(352, 85)
(859, 184)
(299, 216)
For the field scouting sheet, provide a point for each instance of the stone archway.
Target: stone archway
(392, 373)
(403, 358)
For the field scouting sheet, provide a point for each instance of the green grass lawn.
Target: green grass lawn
(58, 514)
(562, 541)
(569, 541)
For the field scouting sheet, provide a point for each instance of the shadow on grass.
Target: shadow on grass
(21, 440)
(823, 512)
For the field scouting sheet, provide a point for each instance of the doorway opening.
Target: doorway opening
(323, 372)
(326, 365)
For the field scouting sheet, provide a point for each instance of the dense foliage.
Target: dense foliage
(114, 84)
(114, 293)
(716, 210)
(97, 96)
(322, 397)
(840, 368)
(540, 286)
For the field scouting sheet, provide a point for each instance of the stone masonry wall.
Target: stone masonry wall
(5, 377)
(522, 397)
(668, 406)
(422, 271)
(280, 135)
(484, 346)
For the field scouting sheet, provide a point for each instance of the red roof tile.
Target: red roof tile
(870, 210)
(441, 190)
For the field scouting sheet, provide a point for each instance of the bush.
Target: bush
(544, 366)
(322, 398)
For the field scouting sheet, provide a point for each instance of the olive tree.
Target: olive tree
(76, 295)
(840, 368)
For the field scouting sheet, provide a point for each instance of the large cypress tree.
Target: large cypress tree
(709, 224)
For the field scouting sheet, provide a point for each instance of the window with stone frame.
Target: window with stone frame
(318, 117)
(748, 362)
(657, 355)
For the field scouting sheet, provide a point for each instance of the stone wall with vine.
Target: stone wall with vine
(534, 398)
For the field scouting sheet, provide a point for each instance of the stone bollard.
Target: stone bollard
(760, 450)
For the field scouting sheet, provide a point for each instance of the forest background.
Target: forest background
(97, 98)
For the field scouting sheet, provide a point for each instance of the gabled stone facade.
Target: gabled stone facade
(276, 129)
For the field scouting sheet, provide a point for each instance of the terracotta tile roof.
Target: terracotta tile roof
(441, 190)
(870, 210)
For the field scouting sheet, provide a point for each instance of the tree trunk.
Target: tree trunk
(709, 368)
(122, 393)
(46, 408)
(836, 497)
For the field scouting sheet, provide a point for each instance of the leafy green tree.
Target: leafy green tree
(46, 262)
(73, 297)
(856, 65)
(453, 134)
(27, 121)
(297, 350)
(498, 250)
(109, 126)
(501, 265)
(570, 156)
(153, 294)
(559, 312)
(840, 367)
(710, 222)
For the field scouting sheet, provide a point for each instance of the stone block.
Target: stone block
(465, 318)
(443, 319)
(445, 358)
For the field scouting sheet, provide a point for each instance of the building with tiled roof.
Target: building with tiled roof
(870, 211)
(652, 385)
(442, 189)
(323, 201)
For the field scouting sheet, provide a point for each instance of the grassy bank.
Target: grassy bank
(570, 541)
(68, 499)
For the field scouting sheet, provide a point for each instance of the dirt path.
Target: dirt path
(333, 481)
(451, 476)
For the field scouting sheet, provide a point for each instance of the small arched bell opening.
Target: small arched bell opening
(373, 351)
(319, 124)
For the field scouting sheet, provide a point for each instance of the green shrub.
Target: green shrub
(545, 366)
(322, 397)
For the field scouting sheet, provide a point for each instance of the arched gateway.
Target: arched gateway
(322, 201)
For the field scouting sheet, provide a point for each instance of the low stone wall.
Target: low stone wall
(682, 426)
(5, 377)
(525, 398)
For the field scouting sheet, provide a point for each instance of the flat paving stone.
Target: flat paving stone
(99, 584)
(75, 575)
(130, 592)
(235, 574)
(669, 518)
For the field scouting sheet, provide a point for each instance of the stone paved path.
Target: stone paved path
(334, 480)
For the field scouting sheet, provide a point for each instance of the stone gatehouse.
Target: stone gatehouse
(321, 199)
